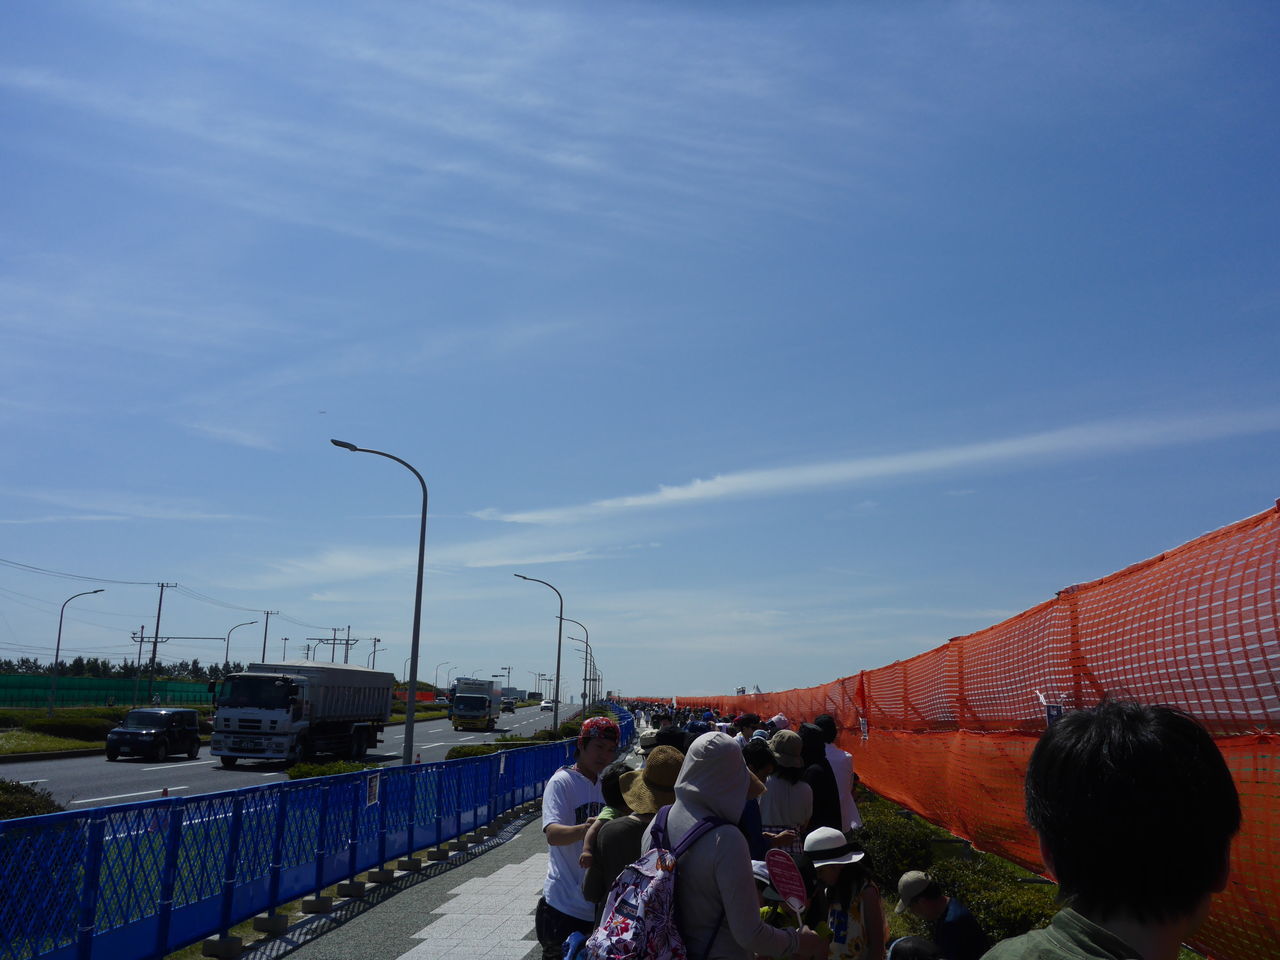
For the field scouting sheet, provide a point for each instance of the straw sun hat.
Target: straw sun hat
(654, 786)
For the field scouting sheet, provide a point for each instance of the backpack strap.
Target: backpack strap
(696, 833)
(658, 832)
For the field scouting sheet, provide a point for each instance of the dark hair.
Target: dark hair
(827, 724)
(610, 786)
(1136, 808)
(670, 737)
(813, 746)
(789, 774)
(852, 878)
(758, 755)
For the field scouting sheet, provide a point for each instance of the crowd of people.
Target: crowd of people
(714, 795)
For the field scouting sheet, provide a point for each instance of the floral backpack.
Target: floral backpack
(639, 919)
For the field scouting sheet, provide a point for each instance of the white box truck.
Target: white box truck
(297, 709)
(475, 704)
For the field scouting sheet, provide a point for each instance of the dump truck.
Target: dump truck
(475, 705)
(298, 708)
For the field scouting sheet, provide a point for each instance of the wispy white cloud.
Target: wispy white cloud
(1087, 440)
(66, 518)
(101, 505)
(235, 435)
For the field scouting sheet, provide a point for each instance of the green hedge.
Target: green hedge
(23, 800)
(994, 890)
(305, 771)
(471, 750)
(93, 729)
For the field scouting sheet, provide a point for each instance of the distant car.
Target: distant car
(508, 704)
(547, 705)
(155, 733)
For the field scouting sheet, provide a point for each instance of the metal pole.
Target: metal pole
(435, 678)
(226, 653)
(587, 635)
(156, 639)
(555, 708)
(57, 646)
(412, 693)
(267, 614)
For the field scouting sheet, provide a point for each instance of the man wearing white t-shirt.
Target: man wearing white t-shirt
(842, 766)
(570, 803)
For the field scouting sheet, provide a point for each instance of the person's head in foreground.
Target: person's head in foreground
(1135, 810)
(597, 745)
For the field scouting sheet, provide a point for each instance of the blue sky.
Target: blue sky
(787, 340)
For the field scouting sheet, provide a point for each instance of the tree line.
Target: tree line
(105, 669)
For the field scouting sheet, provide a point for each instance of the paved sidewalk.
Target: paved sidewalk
(480, 909)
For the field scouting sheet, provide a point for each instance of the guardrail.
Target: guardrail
(141, 880)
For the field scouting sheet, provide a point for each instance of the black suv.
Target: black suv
(155, 733)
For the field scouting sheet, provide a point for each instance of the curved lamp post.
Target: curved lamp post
(555, 700)
(57, 647)
(435, 680)
(587, 641)
(226, 651)
(411, 701)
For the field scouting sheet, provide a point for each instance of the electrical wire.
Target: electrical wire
(70, 576)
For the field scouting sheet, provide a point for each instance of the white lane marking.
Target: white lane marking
(121, 796)
(31, 783)
(460, 739)
(179, 766)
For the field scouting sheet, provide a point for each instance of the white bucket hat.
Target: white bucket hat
(827, 845)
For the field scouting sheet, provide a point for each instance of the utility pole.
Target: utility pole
(333, 644)
(156, 640)
(267, 615)
(139, 638)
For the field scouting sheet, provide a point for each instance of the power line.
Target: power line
(71, 576)
(184, 590)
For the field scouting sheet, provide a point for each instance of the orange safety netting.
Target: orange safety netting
(948, 733)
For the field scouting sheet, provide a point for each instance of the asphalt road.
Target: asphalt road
(81, 782)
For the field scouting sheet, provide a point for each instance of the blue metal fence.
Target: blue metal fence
(140, 880)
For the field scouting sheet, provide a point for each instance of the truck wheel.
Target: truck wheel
(161, 753)
(228, 762)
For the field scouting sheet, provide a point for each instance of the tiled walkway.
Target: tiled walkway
(487, 917)
(482, 908)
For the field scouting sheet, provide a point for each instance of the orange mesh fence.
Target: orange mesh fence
(948, 733)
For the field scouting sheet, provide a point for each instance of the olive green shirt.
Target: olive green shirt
(1069, 936)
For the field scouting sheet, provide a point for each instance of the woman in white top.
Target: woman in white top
(787, 805)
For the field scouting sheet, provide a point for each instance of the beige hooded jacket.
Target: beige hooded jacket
(714, 877)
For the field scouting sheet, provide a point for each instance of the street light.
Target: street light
(435, 680)
(411, 699)
(372, 660)
(587, 641)
(57, 647)
(226, 651)
(587, 663)
(555, 700)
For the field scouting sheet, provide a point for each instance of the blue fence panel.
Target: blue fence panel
(140, 880)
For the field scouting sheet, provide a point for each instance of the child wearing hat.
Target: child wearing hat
(854, 910)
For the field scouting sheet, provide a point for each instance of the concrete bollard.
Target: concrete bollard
(317, 904)
(224, 948)
(271, 923)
